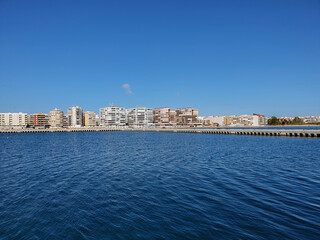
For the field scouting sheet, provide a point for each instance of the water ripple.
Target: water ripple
(129, 185)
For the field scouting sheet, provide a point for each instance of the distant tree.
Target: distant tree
(273, 121)
(297, 121)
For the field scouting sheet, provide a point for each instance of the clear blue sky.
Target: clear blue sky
(222, 57)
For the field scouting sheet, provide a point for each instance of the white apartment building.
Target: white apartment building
(217, 120)
(256, 120)
(13, 120)
(113, 116)
(311, 119)
(140, 117)
(75, 116)
(259, 120)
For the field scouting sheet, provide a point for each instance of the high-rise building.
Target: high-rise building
(140, 117)
(113, 116)
(164, 116)
(57, 118)
(187, 116)
(68, 120)
(89, 119)
(13, 120)
(75, 116)
(97, 120)
(259, 120)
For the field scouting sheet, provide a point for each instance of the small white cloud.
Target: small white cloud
(126, 86)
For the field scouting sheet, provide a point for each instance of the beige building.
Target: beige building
(209, 122)
(187, 116)
(255, 120)
(57, 118)
(13, 120)
(216, 121)
(90, 119)
(164, 116)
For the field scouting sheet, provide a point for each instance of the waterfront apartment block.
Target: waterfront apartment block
(57, 119)
(175, 117)
(164, 116)
(246, 120)
(13, 120)
(38, 120)
(214, 121)
(68, 120)
(75, 116)
(311, 119)
(187, 116)
(207, 122)
(140, 117)
(255, 120)
(90, 119)
(113, 116)
(259, 120)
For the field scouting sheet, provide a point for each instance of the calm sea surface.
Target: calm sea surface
(136, 185)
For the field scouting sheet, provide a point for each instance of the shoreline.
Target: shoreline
(238, 131)
(276, 126)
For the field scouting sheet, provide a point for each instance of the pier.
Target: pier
(243, 131)
(252, 132)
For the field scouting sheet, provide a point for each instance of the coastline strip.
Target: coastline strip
(243, 131)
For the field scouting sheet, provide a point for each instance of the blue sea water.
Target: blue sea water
(146, 185)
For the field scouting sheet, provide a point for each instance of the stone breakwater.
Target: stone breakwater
(252, 132)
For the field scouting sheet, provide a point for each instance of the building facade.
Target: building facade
(216, 121)
(311, 119)
(255, 120)
(75, 116)
(38, 120)
(140, 117)
(13, 120)
(164, 117)
(187, 116)
(113, 116)
(57, 119)
(259, 120)
(89, 119)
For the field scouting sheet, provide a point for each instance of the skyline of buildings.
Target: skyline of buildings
(137, 117)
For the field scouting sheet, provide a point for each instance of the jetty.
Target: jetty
(242, 131)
